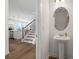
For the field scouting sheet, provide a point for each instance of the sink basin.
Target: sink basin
(61, 38)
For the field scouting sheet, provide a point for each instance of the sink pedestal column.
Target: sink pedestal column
(61, 50)
(61, 41)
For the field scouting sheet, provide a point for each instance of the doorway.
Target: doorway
(22, 29)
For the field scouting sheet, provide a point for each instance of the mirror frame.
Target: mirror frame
(67, 20)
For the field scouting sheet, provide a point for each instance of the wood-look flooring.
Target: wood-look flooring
(20, 50)
(52, 57)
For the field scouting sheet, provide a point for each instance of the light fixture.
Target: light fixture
(62, 0)
(58, 1)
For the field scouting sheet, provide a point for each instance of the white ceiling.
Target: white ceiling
(24, 6)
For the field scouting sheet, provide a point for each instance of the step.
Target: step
(33, 36)
(29, 39)
(29, 36)
(33, 42)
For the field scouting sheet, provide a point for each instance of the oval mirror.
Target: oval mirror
(61, 18)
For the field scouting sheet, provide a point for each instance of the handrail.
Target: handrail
(25, 27)
(29, 24)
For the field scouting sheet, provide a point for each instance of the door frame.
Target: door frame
(42, 10)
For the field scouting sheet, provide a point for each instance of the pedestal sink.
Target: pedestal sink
(61, 40)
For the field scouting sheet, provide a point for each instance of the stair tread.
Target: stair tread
(27, 36)
(31, 35)
(29, 39)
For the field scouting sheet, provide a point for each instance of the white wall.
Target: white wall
(53, 46)
(43, 28)
(6, 29)
(24, 6)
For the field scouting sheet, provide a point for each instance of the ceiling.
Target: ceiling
(24, 6)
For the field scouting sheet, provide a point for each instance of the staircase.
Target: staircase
(30, 37)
